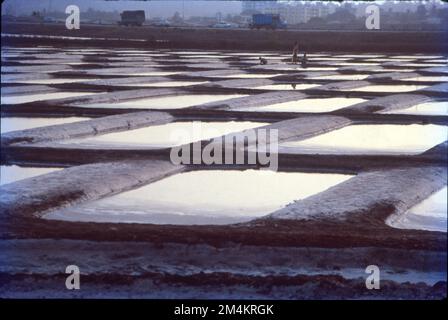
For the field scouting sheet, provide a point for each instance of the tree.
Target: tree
(177, 18)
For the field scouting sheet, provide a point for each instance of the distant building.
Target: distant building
(252, 6)
(290, 11)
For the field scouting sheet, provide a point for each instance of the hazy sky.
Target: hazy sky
(153, 8)
(158, 8)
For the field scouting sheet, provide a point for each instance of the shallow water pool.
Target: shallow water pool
(308, 105)
(19, 123)
(14, 173)
(168, 102)
(430, 214)
(204, 197)
(166, 135)
(374, 139)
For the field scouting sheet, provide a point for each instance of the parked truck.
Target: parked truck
(267, 21)
(132, 18)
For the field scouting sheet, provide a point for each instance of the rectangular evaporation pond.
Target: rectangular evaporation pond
(428, 79)
(204, 197)
(166, 135)
(374, 139)
(360, 55)
(165, 84)
(154, 73)
(171, 102)
(299, 68)
(322, 58)
(423, 65)
(268, 58)
(341, 77)
(15, 173)
(301, 86)
(385, 69)
(24, 98)
(417, 57)
(362, 63)
(435, 108)
(445, 61)
(430, 214)
(308, 105)
(193, 52)
(16, 123)
(389, 88)
(250, 75)
(54, 80)
(199, 56)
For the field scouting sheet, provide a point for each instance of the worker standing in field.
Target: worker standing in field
(295, 52)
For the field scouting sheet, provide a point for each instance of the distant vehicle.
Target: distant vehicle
(50, 20)
(132, 18)
(161, 23)
(222, 25)
(267, 21)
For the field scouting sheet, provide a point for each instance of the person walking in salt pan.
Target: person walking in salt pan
(295, 53)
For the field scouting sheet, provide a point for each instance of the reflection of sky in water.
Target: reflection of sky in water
(374, 139)
(430, 214)
(360, 55)
(300, 86)
(171, 102)
(154, 73)
(428, 108)
(16, 123)
(249, 75)
(15, 173)
(42, 96)
(389, 88)
(428, 78)
(167, 135)
(309, 105)
(341, 77)
(417, 57)
(202, 197)
(53, 81)
(164, 84)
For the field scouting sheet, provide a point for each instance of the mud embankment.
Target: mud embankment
(241, 39)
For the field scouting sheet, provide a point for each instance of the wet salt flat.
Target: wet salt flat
(53, 81)
(428, 78)
(167, 135)
(15, 173)
(308, 105)
(250, 75)
(192, 52)
(165, 84)
(389, 88)
(170, 102)
(387, 69)
(301, 86)
(24, 98)
(356, 63)
(417, 56)
(430, 214)
(16, 123)
(360, 55)
(436, 108)
(423, 65)
(154, 73)
(204, 197)
(340, 77)
(374, 139)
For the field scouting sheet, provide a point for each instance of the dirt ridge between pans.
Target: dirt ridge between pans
(338, 41)
(157, 285)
